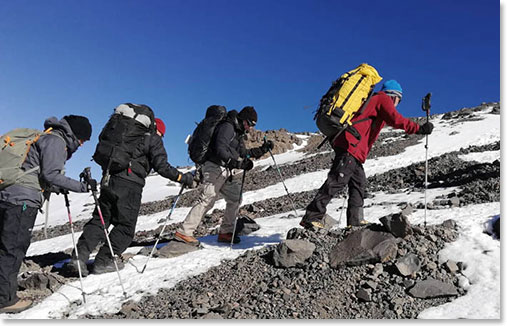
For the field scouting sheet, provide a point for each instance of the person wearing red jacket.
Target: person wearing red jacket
(351, 153)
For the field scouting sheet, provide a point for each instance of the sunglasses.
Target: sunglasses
(250, 123)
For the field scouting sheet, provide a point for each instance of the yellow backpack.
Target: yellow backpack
(347, 95)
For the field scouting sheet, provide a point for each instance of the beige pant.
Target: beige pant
(215, 181)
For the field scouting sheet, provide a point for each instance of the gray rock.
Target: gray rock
(246, 225)
(386, 250)
(450, 223)
(397, 224)
(371, 284)
(359, 248)
(290, 253)
(212, 315)
(40, 281)
(451, 266)
(454, 202)
(377, 270)
(175, 249)
(364, 294)
(432, 288)
(407, 210)
(408, 265)
(408, 283)
(329, 222)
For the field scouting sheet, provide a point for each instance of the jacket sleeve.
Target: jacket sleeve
(53, 155)
(221, 145)
(158, 159)
(393, 118)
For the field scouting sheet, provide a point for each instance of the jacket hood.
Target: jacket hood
(62, 127)
(232, 117)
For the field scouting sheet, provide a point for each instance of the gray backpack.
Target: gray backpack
(14, 147)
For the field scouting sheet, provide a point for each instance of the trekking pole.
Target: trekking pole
(341, 210)
(281, 178)
(426, 105)
(67, 204)
(87, 176)
(163, 228)
(240, 200)
(47, 217)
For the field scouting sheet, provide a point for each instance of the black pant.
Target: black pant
(346, 170)
(119, 203)
(16, 223)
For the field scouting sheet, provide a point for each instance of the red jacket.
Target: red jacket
(381, 110)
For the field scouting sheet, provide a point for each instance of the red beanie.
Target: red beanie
(160, 126)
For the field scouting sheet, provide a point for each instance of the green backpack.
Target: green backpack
(14, 147)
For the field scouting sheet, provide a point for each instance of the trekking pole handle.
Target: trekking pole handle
(426, 105)
(66, 199)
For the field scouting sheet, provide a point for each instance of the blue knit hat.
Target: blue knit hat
(392, 88)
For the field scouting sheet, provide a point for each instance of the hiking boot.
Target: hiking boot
(100, 268)
(312, 224)
(19, 306)
(361, 223)
(186, 238)
(227, 237)
(73, 268)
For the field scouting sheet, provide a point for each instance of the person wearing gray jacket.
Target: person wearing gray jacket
(19, 202)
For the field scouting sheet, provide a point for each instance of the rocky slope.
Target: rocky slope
(312, 289)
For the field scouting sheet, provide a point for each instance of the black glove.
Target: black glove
(246, 164)
(188, 180)
(56, 190)
(425, 129)
(234, 164)
(92, 184)
(267, 146)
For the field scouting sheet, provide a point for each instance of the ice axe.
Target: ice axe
(426, 105)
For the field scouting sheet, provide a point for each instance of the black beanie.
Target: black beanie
(248, 113)
(80, 126)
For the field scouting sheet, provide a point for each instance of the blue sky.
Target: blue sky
(179, 57)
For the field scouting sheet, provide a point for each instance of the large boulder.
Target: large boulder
(363, 246)
(432, 288)
(397, 224)
(40, 281)
(290, 253)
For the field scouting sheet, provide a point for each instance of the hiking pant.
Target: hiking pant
(120, 203)
(216, 180)
(16, 223)
(346, 170)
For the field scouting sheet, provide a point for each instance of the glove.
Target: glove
(425, 129)
(55, 190)
(188, 180)
(92, 184)
(246, 164)
(267, 146)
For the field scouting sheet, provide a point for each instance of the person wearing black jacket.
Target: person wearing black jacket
(227, 155)
(20, 202)
(120, 201)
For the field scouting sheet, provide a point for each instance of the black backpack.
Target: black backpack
(200, 140)
(123, 135)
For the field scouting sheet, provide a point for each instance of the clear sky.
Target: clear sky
(179, 57)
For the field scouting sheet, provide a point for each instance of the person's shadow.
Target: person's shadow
(247, 241)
